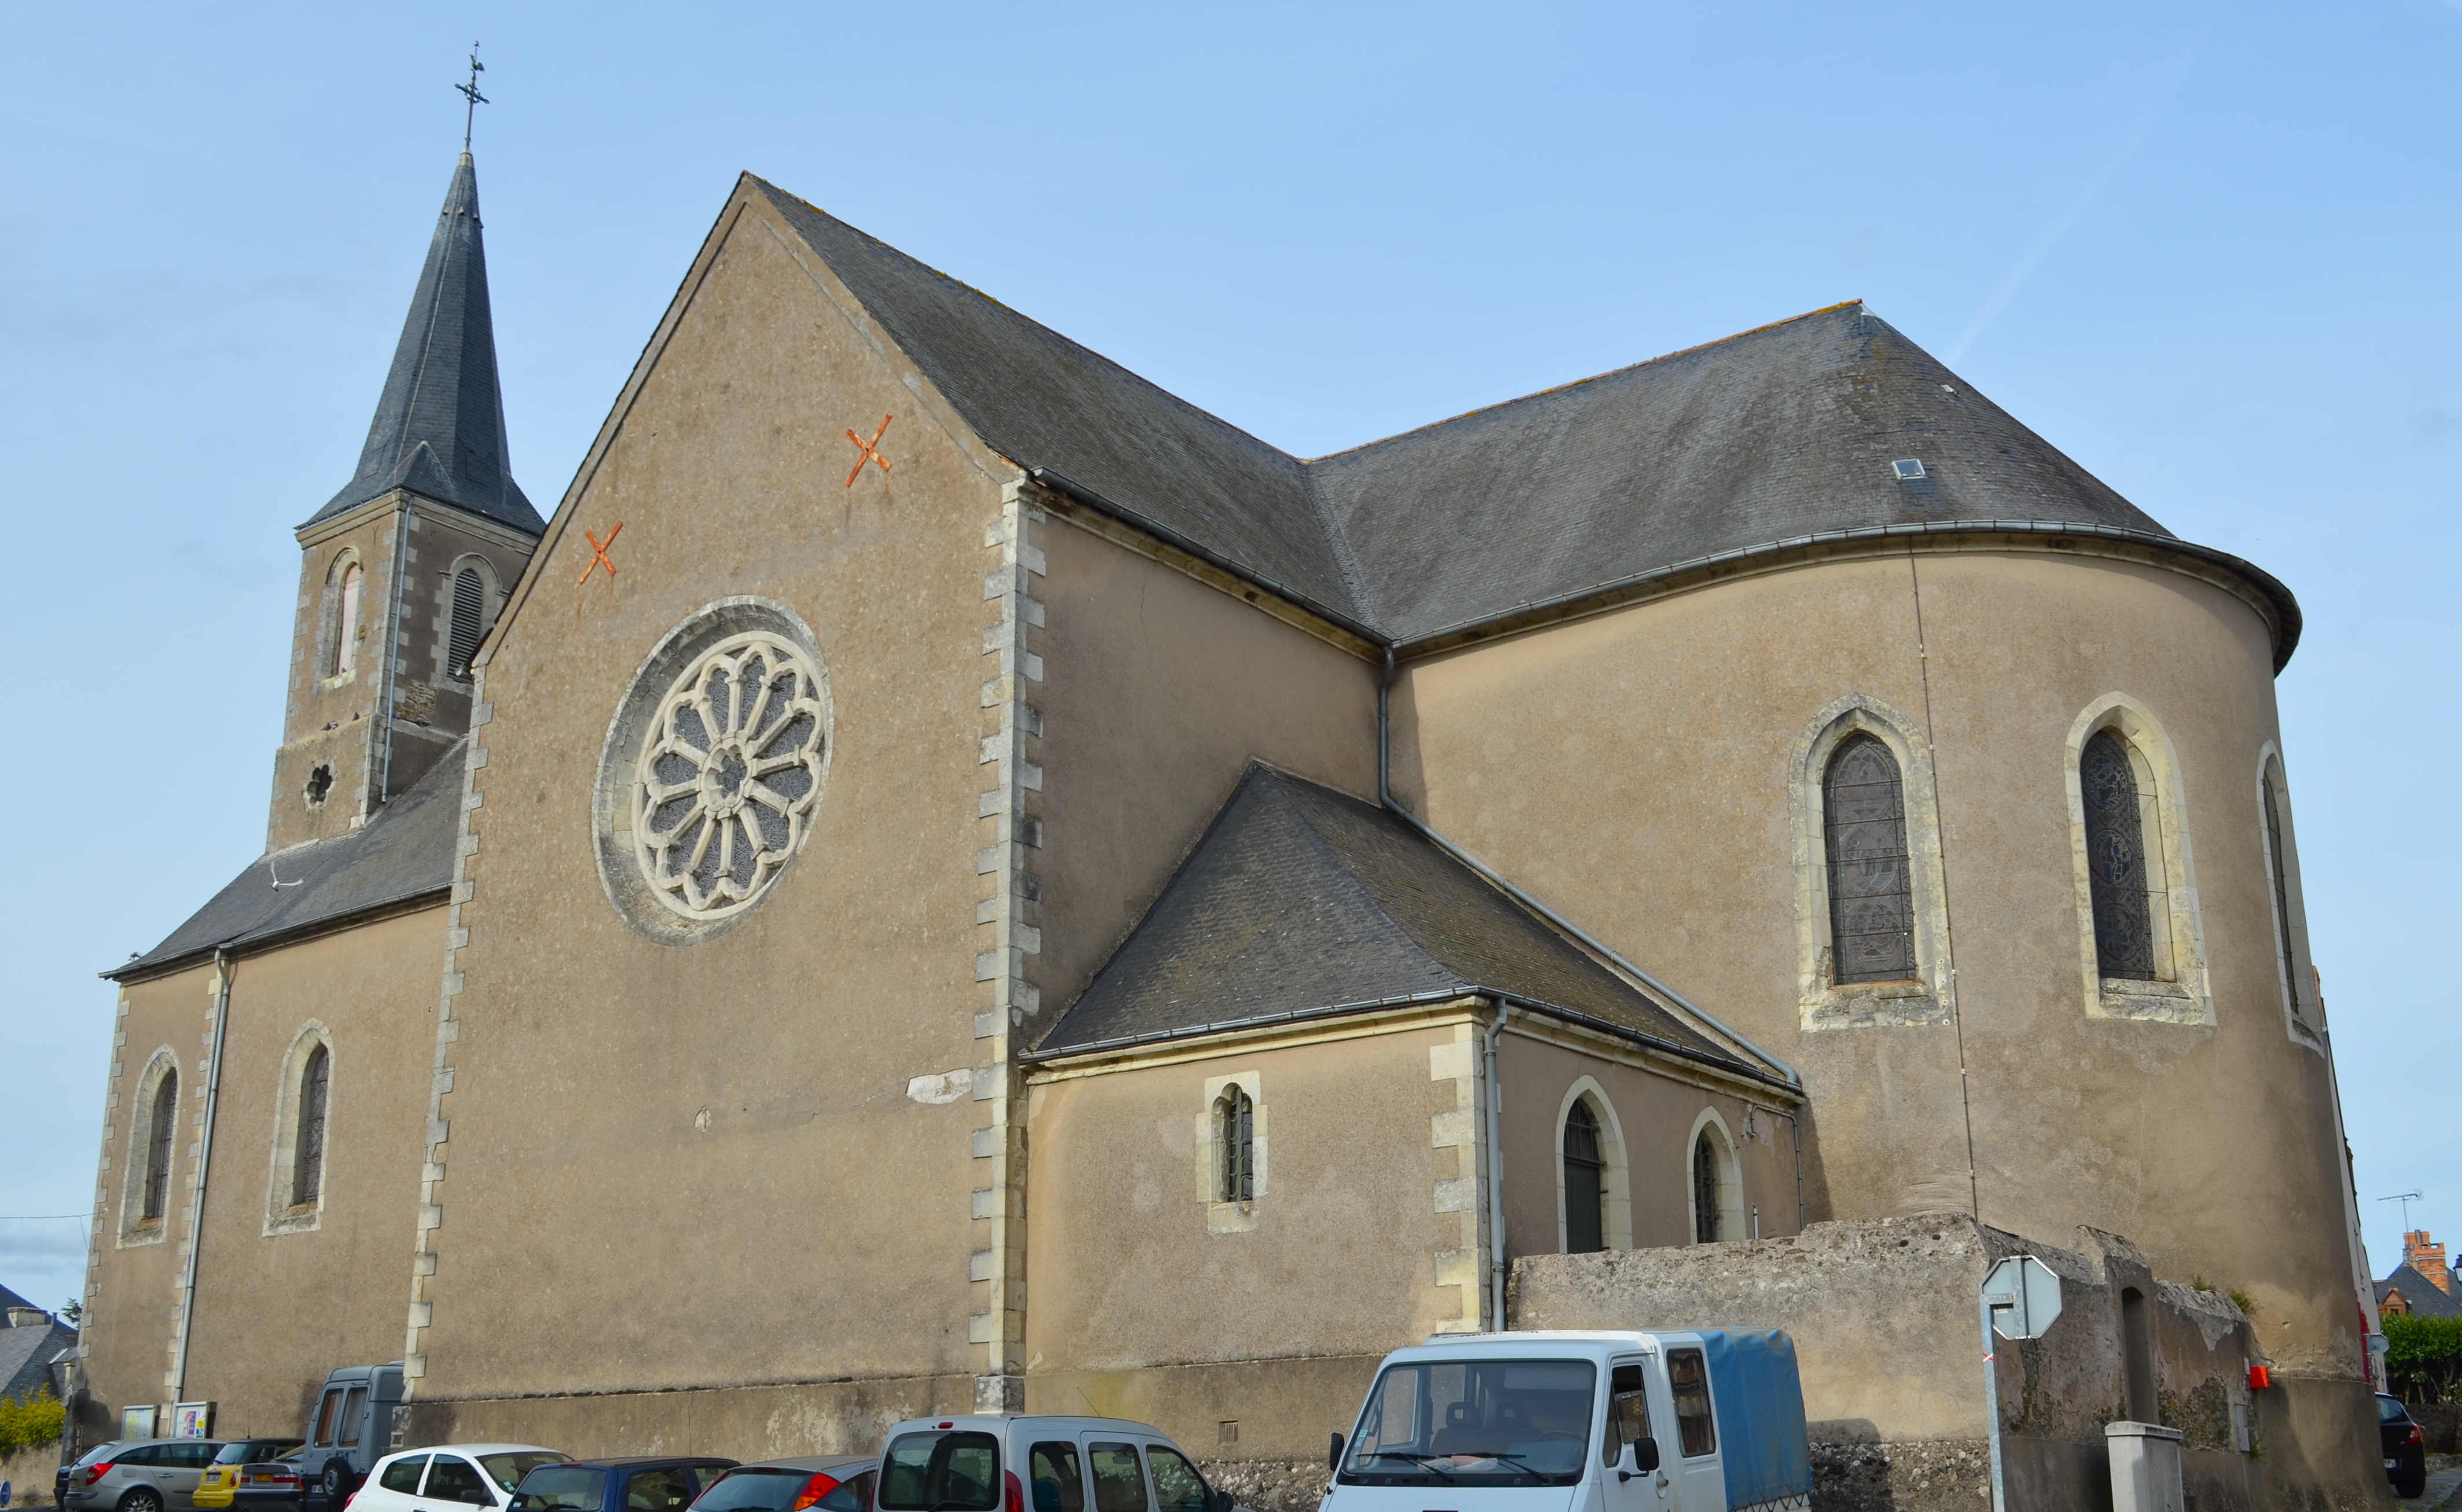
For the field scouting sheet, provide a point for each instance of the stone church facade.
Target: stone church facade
(944, 877)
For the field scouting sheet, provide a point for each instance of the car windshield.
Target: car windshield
(561, 1486)
(2390, 1410)
(507, 1469)
(254, 1451)
(1475, 1422)
(755, 1488)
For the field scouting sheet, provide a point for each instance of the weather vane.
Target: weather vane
(471, 93)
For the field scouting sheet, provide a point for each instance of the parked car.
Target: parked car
(642, 1483)
(251, 1472)
(2406, 1447)
(1705, 1420)
(450, 1475)
(146, 1475)
(830, 1482)
(60, 1476)
(965, 1464)
(351, 1427)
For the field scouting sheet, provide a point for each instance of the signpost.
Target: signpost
(2021, 1298)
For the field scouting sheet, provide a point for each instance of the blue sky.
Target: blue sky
(2207, 249)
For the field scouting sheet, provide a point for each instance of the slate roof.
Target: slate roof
(26, 1356)
(440, 425)
(403, 854)
(2422, 1295)
(1300, 900)
(1780, 433)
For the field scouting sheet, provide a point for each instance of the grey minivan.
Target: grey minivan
(349, 1430)
(144, 1475)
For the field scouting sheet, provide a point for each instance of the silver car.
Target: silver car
(144, 1475)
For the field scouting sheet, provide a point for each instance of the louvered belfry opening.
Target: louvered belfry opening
(1872, 898)
(1584, 1182)
(2117, 876)
(157, 1154)
(1234, 1121)
(308, 1155)
(1705, 1190)
(469, 610)
(2274, 854)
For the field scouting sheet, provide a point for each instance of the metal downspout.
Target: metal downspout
(1496, 1263)
(204, 1163)
(1385, 796)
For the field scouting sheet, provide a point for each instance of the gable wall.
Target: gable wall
(697, 1166)
(1632, 769)
(1156, 693)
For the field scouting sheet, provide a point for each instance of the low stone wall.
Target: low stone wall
(2440, 1423)
(1269, 1486)
(1889, 1343)
(30, 1472)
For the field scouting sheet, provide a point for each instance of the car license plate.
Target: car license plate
(2393, 1464)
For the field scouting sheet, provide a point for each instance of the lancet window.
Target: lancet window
(1871, 900)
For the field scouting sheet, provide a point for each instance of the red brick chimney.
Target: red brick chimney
(2427, 1258)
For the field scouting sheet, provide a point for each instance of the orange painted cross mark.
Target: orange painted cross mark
(598, 553)
(869, 450)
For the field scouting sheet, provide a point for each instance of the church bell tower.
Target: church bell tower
(405, 568)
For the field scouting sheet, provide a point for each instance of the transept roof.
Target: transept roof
(1300, 900)
(439, 423)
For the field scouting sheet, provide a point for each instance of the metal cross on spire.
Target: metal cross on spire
(471, 93)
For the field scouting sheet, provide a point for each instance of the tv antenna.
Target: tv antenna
(471, 93)
(2406, 1199)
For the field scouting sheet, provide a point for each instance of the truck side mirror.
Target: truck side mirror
(1640, 1458)
(1334, 1456)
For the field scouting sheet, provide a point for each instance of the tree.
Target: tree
(2423, 1356)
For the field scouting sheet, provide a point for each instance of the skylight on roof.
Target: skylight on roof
(1908, 468)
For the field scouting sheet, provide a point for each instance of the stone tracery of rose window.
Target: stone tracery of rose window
(727, 777)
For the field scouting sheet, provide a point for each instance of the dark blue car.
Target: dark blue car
(645, 1483)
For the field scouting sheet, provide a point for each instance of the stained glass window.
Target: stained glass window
(1871, 903)
(2117, 874)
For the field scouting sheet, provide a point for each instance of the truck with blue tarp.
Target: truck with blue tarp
(1689, 1421)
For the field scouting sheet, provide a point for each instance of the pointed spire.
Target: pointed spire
(440, 428)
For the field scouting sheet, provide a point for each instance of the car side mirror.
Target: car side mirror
(1334, 1456)
(1217, 1500)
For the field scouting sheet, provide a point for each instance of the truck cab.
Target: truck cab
(1699, 1420)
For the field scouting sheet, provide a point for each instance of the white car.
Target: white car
(448, 1476)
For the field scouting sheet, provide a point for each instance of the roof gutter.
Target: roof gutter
(2286, 607)
(1385, 796)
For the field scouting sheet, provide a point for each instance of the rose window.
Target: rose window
(729, 770)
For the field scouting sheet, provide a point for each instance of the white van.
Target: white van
(1707, 1420)
(1005, 1463)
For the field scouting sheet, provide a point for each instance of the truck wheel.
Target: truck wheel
(144, 1498)
(335, 1484)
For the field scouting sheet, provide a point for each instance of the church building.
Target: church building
(942, 876)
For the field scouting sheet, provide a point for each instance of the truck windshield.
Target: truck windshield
(1475, 1422)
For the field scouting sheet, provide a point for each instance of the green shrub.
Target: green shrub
(2423, 1356)
(36, 1420)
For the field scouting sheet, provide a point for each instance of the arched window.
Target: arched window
(1584, 1182)
(470, 621)
(1235, 1142)
(345, 622)
(158, 1146)
(1707, 1197)
(2276, 857)
(2121, 877)
(308, 1158)
(1872, 902)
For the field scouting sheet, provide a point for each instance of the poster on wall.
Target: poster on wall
(192, 1419)
(137, 1422)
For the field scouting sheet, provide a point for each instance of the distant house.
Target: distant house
(28, 1348)
(2421, 1286)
